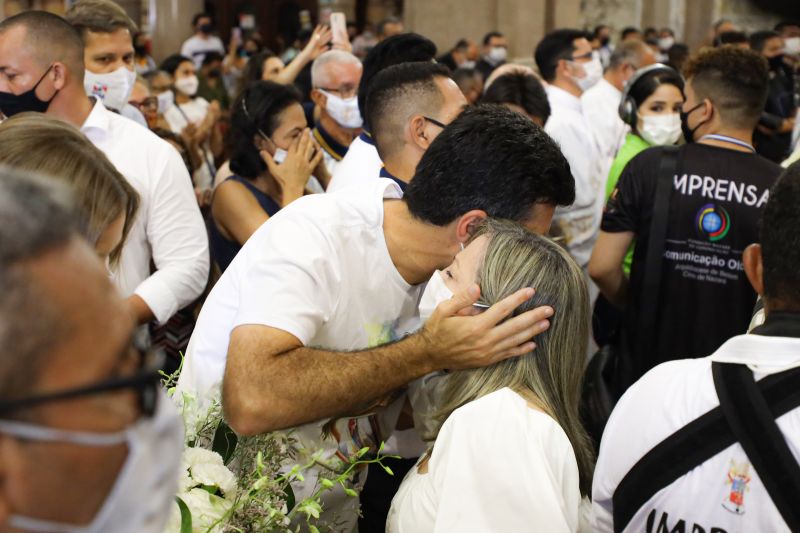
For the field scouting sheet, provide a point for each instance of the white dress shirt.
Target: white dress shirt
(665, 400)
(360, 166)
(168, 229)
(601, 108)
(567, 125)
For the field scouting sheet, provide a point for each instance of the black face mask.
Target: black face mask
(776, 63)
(11, 104)
(688, 133)
(140, 50)
(604, 41)
(207, 29)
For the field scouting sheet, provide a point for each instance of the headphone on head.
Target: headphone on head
(627, 106)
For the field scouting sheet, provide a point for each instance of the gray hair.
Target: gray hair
(551, 375)
(36, 216)
(320, 76)
(630, 52)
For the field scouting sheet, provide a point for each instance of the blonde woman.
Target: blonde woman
(510, 453)
(107, 203)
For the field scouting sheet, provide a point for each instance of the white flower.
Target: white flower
(215, 475)
(200, 456)
(206, 509)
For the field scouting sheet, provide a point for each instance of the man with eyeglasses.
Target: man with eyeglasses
(88, 441)
(566, 61)
(335, 76)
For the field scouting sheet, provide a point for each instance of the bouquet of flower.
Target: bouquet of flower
(232, 483)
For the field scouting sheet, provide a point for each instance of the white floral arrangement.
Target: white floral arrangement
(231, 483)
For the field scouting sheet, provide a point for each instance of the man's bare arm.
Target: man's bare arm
(273, 382)
(605, 266)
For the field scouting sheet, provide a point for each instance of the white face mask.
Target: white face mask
(467, 64)
(593, 72)
(435, 293)
(665, 43)
(113, 88)
(660, 130)
(792, 46)
(344, 111)
(188, 85)
(279, 156)
(144, 492)
(165, 101)
(498, 54)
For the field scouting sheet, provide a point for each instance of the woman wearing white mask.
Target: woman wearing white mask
(510, 453)
(651, 106)
(194, 117)
(273, 158)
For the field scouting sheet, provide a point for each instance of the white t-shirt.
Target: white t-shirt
(196, 48)
(360, 166)
(567, 125)
(195, 111)
(665, 400)
(601, 108)
(320, 270)
(497, 465)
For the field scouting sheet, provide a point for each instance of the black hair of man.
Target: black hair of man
(493, 159)
(731, 37)
(466, 77)
(734, 79)
(49, 38)
(488, 37)
(677, 54)
(397, 93)
(556, 45)
(171, 63)
(198, 16)
(598, 29)
(522, 90)
(462, 45)
(782, 25)
(630, 30)
(258, 107)
(780, 242)
(403, 48)
(99, 16)
(759, 39)
(212, 57)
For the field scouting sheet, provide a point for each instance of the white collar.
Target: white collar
(561, 98)
(761, 353)
(609, 87)
(98, 120)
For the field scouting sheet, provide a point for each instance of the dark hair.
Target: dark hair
(50, 38)
(211, 57)
(463, 76)
(462, 44)
(677, 54)
(523, 90)
(647, 84)
(254, 70)
(731, 37)
(759, 39)
(171, 64)
(650, 29)
(488, 37)
(99, 16)
(780, 240)
(198, 16)
(782, 25)
(629, 30)
(734, 79)
(598, 29)
(493, 159)
(395, 93)
(403, 48)
(259, 107)
(555, 46)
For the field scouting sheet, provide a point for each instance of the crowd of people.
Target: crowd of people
(562, 299)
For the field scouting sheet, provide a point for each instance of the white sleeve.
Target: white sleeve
(291, 283)
(494, 476)
(177, 236)
(186, 49)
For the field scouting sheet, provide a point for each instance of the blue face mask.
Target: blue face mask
(12, 104)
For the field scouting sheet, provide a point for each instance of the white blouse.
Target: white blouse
(497, 465)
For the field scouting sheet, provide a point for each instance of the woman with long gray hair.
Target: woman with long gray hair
(510, 453)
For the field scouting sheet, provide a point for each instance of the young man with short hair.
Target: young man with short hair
(203, 41)
(718, 193)
(495, 53)
(711, 482)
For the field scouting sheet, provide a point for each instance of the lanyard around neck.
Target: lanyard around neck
(729, 140)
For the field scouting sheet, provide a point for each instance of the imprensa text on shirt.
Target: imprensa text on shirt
(721, 190)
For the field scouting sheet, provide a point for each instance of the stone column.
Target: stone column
(446, 21)
(170, 23)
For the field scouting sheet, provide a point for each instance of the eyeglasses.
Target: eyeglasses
(434, 122)
(587, 55)
(343, 92)
(146, 104)
(145, 381)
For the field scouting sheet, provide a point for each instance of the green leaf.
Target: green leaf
(388, 470)
(325, 482)
(351, 493)
(362, 452)
(290, 498)
(186, 516)
(225, 441)
(312, 528)
(383, 444)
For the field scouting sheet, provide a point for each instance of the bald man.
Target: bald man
(335, 76)
(42, 70)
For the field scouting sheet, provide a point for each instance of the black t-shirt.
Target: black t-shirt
(716, 203)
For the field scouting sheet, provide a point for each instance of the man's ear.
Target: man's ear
(468, 223)
(59, 73)
(318, 98)
(416, 130)
(754, 267)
